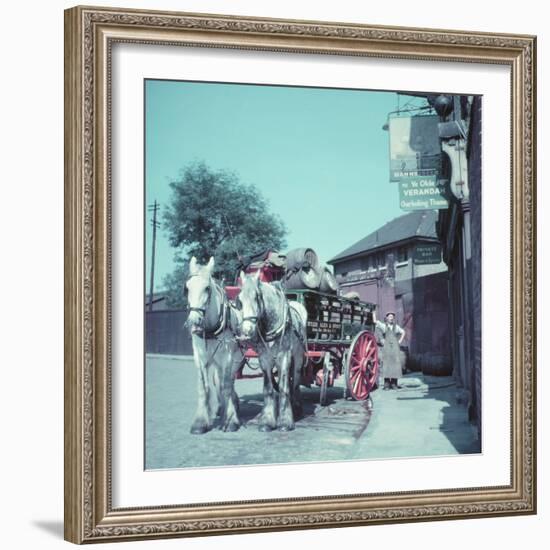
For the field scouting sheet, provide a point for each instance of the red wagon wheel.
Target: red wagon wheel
(362, 365)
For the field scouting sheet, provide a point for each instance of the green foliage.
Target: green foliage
(173, 284)
(211, 213)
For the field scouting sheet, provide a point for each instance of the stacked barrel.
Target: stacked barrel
(304, 272)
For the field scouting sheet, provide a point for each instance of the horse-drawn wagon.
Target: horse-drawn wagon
(341, 339)
(299, 336)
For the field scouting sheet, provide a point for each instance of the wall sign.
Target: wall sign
(427, 253)
(421, 193)
(414, 146)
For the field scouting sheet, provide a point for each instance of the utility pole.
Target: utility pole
(153, 208)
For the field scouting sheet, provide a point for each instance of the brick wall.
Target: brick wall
(474, 169)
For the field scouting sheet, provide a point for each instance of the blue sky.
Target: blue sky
(319, 156)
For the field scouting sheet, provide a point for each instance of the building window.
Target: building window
(373, 261)
(402, 254)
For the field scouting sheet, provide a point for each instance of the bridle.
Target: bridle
(275, 336)
(261, 309)
(222, 315)
(271, 335)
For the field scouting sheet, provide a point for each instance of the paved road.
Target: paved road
(417, 420)
(420, 419)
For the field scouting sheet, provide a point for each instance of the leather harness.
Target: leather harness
(274, 333)
(223, 315)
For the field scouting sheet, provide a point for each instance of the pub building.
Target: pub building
(458, 175)
(460, 136)
(435, 162)
(399, 267)
(447, 146)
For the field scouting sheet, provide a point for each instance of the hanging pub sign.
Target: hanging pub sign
(427, 253)
(421, 193)
(414, 146)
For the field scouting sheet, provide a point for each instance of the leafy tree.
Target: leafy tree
(211, 213)
(173, 284)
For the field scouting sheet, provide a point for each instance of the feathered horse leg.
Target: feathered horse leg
(202, 421)
(268, 418)
(286, 413)
(229, 403)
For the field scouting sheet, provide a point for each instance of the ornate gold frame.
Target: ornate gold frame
(89, 34)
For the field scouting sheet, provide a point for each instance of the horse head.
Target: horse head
(250, 300)
(198, 288)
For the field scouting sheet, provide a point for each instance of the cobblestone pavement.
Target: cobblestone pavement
(416, 420)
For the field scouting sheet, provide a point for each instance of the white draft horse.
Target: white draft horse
(276, 328)
(213, 323)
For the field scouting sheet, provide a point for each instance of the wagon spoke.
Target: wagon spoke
(367, 347)
(355, 384)
(362, 368)
(357, 374)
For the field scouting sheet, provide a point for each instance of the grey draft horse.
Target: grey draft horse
(213, 323)
(276, 328)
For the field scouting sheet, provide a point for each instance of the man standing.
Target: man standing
(392, 336)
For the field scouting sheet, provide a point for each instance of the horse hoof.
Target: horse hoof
(199, 429)
(286, 428)
(265, 428)
(231, 427)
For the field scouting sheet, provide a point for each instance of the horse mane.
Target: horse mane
(277, 295)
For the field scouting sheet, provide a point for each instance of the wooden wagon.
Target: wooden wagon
(340, 340)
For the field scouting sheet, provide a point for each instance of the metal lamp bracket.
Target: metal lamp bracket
(453, 143)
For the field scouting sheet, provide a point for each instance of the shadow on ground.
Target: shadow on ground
(250, 405)
(453, 417)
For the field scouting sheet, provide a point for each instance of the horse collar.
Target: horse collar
(222, 316)
(270, 336)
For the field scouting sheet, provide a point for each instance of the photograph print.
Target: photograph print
(312, 283)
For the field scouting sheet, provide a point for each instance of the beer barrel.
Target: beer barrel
(435, 364)
(328, 281)
(299, 258)
(302, 269)
(307, 277)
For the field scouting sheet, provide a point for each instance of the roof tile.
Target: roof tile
(420, 223)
